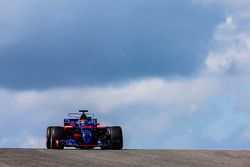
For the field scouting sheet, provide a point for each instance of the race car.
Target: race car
(81, 130)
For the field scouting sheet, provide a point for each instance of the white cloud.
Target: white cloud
(232, 51)
(229, 60)
(231, 46)
(157, 92)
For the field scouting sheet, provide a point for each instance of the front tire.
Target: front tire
(48, 137)
(114, 138)
(56, 134)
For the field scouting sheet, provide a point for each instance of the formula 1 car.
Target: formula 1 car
(84, 132)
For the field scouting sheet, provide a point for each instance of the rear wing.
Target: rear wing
(83, 111)
(74, 118)
(78, 115)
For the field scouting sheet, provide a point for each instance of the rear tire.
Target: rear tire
(114, 138)
(57, 134)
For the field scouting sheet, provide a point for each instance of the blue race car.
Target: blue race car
(83, 131)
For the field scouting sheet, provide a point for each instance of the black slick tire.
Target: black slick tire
(57, 134)
(115, 138)
(48, 137)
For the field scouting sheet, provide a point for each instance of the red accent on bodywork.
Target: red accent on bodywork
(76, 135)
(72, 124)
(101, 127)
(67, 127)
(87, 127)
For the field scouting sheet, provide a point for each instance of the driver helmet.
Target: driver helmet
(83, 117)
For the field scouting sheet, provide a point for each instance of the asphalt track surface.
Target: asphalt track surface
(119, 158)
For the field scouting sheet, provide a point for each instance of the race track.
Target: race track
(119, 158)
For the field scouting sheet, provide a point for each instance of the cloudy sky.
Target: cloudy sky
(173, 74)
